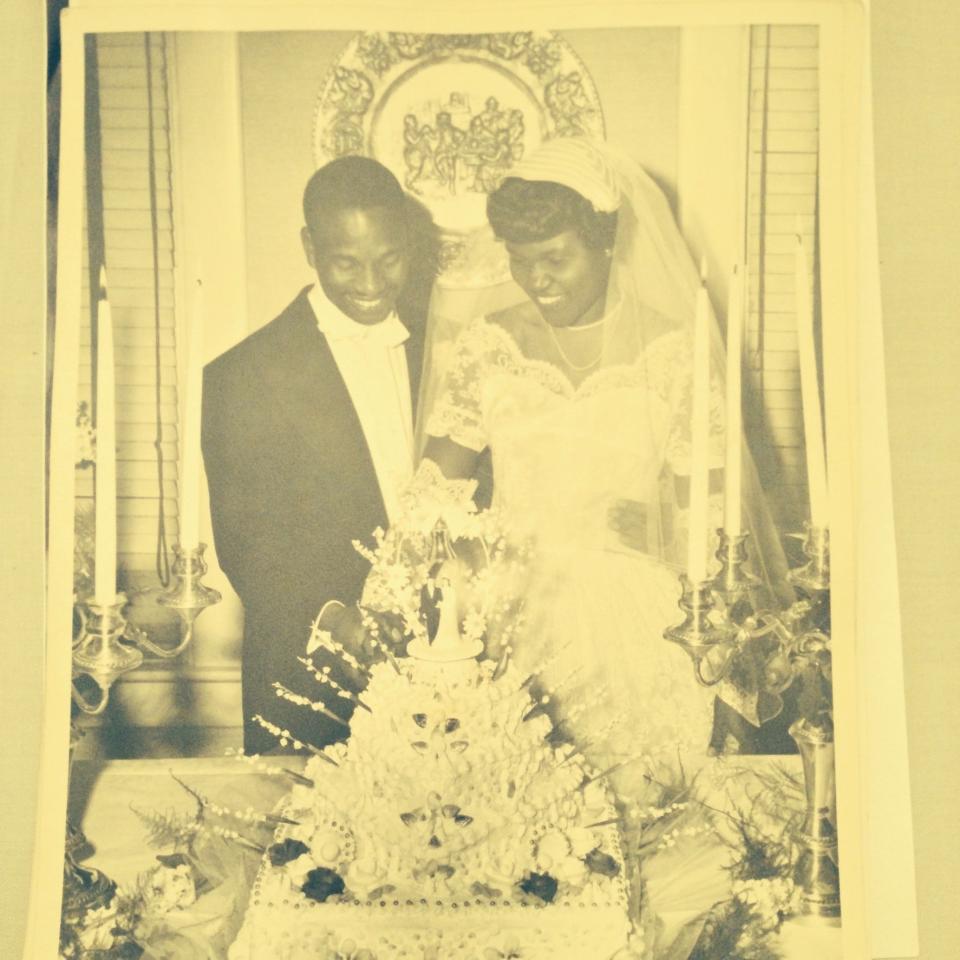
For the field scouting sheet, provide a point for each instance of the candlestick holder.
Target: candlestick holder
(812, 580)
(814, 576)
(186, 595)
(733, 584)
(703, 639)
(101, 652)
(817, 870)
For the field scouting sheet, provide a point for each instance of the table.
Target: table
(104, 797)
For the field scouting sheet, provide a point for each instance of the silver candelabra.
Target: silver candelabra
(108, 645)
(719, 621)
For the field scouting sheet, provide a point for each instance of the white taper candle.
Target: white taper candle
(190, 431)
(105, 502)
(734, 426)
(700, 437)
(810, 389)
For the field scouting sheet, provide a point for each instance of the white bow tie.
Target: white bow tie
(388, 333)
(334, 324)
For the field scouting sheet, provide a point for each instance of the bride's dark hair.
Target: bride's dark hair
(528, 211)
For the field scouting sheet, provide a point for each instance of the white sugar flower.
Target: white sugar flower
(169, 888)
(770, 898)
(510, 950)
(97, 930)
(298, 869)
(474, 625)
(350, 950)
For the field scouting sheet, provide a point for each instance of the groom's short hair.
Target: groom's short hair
(350, 183)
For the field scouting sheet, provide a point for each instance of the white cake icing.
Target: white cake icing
(443, 801)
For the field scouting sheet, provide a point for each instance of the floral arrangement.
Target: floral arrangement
(761, 860)
(764, 895)
(188, 905)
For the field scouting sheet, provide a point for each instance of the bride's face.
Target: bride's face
(565, 278)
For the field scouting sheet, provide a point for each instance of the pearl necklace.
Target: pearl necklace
(579, 368)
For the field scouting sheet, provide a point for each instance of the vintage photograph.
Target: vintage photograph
(440, 495)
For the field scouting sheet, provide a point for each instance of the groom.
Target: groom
(308, 434)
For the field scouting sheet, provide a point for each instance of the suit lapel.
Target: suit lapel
(299, 368)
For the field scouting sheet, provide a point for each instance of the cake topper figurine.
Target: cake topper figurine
(444, 642)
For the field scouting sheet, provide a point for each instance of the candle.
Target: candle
(190, 430)
(810, 390)
(700, 435)
(731, 512)
(105, 500)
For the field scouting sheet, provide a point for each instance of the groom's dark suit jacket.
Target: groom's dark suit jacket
(292, 485)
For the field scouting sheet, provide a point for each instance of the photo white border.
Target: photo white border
(843, 38)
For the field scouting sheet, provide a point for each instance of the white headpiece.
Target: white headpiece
(576, 163)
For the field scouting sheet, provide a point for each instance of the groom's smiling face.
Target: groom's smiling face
(361, 260)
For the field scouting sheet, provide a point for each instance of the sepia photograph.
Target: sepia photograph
(450, 488)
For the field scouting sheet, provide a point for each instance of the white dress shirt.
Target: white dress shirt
(373, 363)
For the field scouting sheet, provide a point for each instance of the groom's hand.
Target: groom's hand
(389, 629)
(347, 628)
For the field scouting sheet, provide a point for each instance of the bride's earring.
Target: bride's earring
(608, 253)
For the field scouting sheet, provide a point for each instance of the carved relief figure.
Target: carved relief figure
(419, 145)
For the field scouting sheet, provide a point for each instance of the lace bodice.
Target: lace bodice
(563, 453)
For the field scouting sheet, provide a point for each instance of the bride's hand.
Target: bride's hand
(628, 519)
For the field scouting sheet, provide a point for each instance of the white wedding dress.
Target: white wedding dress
(595, 610)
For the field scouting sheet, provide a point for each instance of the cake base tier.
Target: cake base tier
(425, 931)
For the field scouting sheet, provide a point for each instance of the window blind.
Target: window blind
(782, 186)
(126, 117)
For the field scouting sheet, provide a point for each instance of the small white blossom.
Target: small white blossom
(169, 888)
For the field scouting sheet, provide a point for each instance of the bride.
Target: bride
(581, 393)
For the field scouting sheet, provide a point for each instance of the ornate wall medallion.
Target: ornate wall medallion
(450, 114)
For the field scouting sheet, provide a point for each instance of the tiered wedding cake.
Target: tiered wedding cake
(450, 825)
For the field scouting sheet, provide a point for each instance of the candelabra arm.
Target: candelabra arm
(719, 677)
(90, 707)
(142, 639)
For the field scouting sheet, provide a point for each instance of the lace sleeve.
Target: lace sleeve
(670, 370)
(458, 414)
